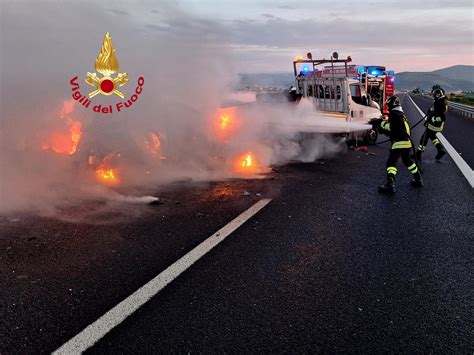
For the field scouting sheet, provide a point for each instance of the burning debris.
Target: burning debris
(67, 140)
(248, 165)
(153, 146)
(226, 123)
(247, 162)
(105, 173)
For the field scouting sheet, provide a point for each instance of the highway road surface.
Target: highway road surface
(311, 258)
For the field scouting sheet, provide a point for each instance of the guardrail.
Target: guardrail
(464, 110)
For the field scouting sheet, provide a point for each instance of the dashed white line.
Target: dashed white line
(97, 330)
(461, 164)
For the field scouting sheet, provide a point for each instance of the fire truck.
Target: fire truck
(343, 91)
(379, 83)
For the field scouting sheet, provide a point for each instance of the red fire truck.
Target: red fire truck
(379, 83)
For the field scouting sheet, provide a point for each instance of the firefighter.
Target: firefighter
(398, 130)
(435, 119)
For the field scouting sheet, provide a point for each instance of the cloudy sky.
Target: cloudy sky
(408, 35)
(266, 35)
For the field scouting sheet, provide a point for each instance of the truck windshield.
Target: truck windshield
(356, 93)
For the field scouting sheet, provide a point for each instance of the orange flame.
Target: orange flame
(65, 142)
(153, 145)
(246, 164)
(105, 173)
(225, 123)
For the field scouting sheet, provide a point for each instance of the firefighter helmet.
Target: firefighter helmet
(437, 93)
(393, 101)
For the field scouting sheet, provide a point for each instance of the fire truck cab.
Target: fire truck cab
(379, 83)
(337, 92)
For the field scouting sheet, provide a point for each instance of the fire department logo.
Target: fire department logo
(106, 64)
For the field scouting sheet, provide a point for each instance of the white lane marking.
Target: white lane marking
(95, 331)
(462, 165)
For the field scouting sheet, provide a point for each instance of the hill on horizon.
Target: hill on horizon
(454, 78)
(457, 72)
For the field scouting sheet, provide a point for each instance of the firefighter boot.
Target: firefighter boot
(440, 154)
(417, 180)
(389, 187)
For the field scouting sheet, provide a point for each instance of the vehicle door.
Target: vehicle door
(359, 107)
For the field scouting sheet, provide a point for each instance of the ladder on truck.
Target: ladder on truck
(327, 94)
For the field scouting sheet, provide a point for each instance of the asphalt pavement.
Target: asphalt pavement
(329, 265)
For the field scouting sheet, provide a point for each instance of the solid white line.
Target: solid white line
(95, 331)
(462, 165)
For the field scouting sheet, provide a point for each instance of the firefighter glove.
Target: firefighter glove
(376, 124)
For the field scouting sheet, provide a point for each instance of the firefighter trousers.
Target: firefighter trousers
(395, 155)
(427, 135)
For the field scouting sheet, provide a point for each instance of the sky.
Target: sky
(405, 35)
(266, 35)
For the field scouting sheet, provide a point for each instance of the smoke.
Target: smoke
(43, 45)
(169, 133)
(283, 132)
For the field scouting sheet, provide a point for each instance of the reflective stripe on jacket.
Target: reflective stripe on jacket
(398, 129)
(435, 128)
(437, 117)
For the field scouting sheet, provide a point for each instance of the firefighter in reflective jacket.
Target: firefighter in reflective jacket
(436, 117)
(398, 130)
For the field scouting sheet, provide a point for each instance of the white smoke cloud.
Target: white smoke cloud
(45, 44)
(188, 73)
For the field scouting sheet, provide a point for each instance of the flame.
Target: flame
(105, 173)
(153, 144)
(106, 62)
(65, 142)
(226, 123)
(246, 164)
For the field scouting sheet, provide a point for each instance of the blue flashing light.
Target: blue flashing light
(361, 70)
(375, 71)
(305, 69)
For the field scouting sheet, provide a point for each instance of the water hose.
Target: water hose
(416, 124)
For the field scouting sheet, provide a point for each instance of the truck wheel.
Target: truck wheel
(370, 137)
